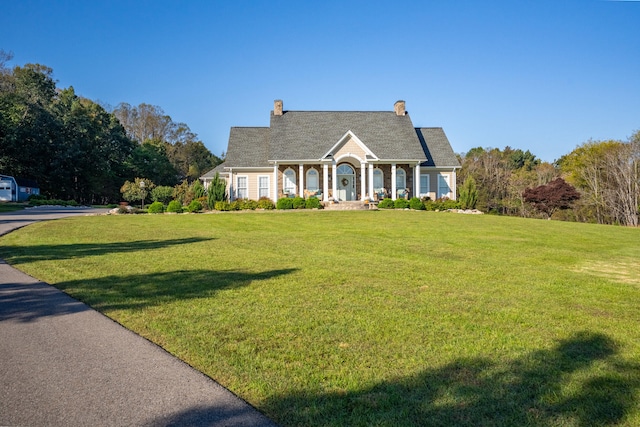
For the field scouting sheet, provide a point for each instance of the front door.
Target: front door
(346, 183)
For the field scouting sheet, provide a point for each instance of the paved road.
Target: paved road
(64, 364)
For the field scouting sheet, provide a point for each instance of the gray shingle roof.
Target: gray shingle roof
(248, 147)
(437, 148)
(309, 135)
(212, 173)
(305, 135)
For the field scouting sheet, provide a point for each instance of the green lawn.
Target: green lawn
(371, 318)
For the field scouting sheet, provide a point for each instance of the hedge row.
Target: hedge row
(419, 205)
(52, 202)
(299, 203)
(245, 204)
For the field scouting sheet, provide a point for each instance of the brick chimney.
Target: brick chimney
(277, 107)
(398, 107)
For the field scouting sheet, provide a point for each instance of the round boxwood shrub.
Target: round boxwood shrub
(450, 204)
(156, 208)
(174, 206)
(401, 204)
(249, 205)
(221, 205)
(298, 203)
(416, 204)
(194, 206)
(285, 203)
(313, 203)
(386, 204)
(266, 203)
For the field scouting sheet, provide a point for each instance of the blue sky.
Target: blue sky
(539, 75)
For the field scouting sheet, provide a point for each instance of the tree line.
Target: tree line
(604, 174)
(78, 150)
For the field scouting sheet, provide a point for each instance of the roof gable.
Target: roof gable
(351, 144)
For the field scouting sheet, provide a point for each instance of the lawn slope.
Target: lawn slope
(371, 318)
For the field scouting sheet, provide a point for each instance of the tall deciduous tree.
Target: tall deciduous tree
(187, 155)
(606, 172)
(70, 145)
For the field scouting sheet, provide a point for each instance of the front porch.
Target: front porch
(347, 180)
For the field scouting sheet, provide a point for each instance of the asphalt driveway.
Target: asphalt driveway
(64, 364)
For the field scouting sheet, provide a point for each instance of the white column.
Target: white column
(416, 181)
(325, 182)
(275, 182)
(393, 181)
(371, 180)
(231, 186)
(453, 185)
(334, 189)
(363, 182)
(301, 180)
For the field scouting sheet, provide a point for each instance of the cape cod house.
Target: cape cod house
(338, 155)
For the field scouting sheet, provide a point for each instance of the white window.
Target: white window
(242, 187)
(401, 179)
(425, 184)
(313, 180)
(444, 190)
(378, 179)
(263, 186)
(289, 182)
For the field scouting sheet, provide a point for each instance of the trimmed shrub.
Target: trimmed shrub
(249, 205)
(298, 203)
(313, 203)
(401, 204)
(174, 206)
(156, 208)
(450, 204)
(222, 206)
(285, 203)
(266, 203)
(236, 205)
(416, 204)
(441, 204)
(386, 204)
(430, 205)
(194, 206)
(36, 197)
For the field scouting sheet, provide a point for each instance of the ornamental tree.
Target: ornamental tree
(137, 190)
(548, 198)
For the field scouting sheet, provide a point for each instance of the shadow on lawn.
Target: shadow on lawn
(27, 254)
(477, 392)
(143, 290)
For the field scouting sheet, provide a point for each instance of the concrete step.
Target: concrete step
(345, 206)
